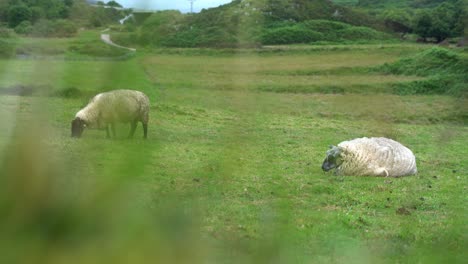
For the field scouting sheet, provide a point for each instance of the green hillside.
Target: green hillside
(259, 22)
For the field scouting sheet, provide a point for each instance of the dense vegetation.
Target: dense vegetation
(447, 72)
(54, 18)
(244, 23)
(264, 22)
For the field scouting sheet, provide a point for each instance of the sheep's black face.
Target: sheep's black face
(332, 160)
(77, 127)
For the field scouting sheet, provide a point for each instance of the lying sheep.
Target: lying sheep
(370, 157)
(106, 109)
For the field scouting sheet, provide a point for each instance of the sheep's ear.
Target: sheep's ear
(331, 146)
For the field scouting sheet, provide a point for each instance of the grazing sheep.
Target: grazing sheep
(106, 109)
(370, 157)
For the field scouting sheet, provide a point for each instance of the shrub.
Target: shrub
(438, 84)
(24, 28)
(448, 73)
(184, 39)
(64, 28)
(361, 33)
(18, 14)
(429, 62)
(290, 35)
(43, 28)
(97, 49)
(325, 26)
(58, 28)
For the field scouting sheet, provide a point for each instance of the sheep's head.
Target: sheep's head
(77, 127)
(333, 159)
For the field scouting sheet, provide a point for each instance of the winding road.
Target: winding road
(106, 38)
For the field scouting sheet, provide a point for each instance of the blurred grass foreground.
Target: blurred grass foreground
(49, 216)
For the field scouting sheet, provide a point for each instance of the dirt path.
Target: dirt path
(106, 38)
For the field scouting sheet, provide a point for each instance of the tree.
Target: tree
(439, 23)
(113, 4)
(397, 20)
(18, 14)
(160, 25)
(423, 24)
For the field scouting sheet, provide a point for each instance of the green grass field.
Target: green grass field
(230, 172)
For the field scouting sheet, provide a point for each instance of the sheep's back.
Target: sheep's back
(123, 106)
(366, 155)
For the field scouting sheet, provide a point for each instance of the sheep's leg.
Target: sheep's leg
(145, 130)
(132, 129)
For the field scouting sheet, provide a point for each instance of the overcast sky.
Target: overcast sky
(182, 5)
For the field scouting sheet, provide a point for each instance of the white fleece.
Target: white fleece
(115, 106)
(376, 157)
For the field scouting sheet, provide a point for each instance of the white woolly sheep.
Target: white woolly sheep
(370, 157)
(106, 109)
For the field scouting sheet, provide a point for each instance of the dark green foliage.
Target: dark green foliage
(400, 3)
(448, 72)
(429, 62)
(96, 49)
(398, 20)
(101, 16)
(113, 4)
(55, 9)
(37, 13)
(185, 39)
(325, 26)
(59, 28)
(250, 23)
(361, 33)
(438, 23)
(18, 14)
(439, 84)
(291, 34)
(159, 26)
(24, 28)
(318, 30)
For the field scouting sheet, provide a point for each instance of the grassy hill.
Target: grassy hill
(256, 22)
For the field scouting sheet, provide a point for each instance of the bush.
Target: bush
(64, 28)
(184, 39)
(448, 73)
(97, 49)
(325, 26)
(18, 14)
(7, 49)
(361, 33)
(59, 28)
(290, 35)
(429, 62)
(24, 28)
(438, 84)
